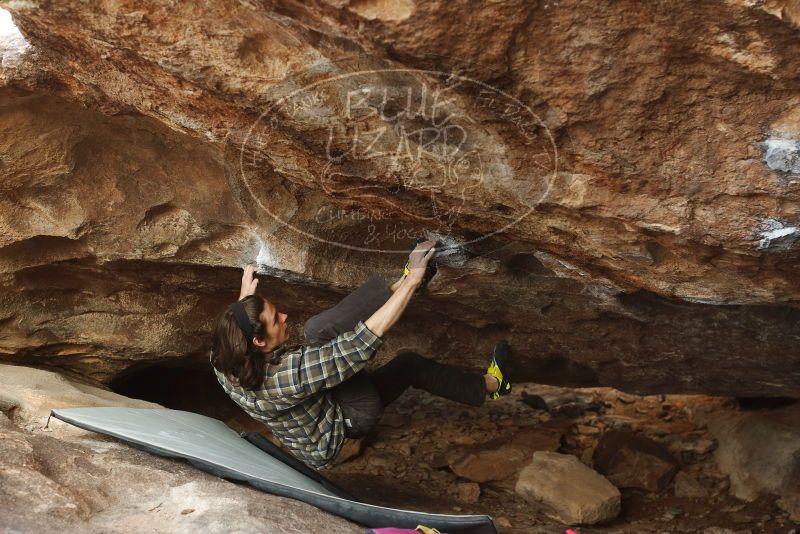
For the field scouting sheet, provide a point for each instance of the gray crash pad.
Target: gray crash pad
(213, 447)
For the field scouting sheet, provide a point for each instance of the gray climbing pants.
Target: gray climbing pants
(364, 396)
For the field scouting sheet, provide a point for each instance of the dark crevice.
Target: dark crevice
(525, 264)
(764, 403)
(187, 384)
(558, 371)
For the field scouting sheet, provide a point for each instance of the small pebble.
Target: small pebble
(468, 492)
(503, 522)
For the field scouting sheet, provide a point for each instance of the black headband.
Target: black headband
(245, 325)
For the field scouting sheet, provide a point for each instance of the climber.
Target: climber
(316, 395)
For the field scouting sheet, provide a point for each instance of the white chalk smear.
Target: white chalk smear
(782, 155)
(7, 26)
(12, 44)
(451, 252)
(265, 257)
(777, 235)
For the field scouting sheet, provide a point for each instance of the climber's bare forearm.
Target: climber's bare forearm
(394, 286)
(382, 320)
(388, 314)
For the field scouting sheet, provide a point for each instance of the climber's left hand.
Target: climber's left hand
(249, 282)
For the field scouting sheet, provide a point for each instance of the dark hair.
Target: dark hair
(234, 355)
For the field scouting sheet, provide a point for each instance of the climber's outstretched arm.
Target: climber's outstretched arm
(388, 314)
(394, 287)
(249, 282)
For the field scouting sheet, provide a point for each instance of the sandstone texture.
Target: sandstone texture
(619, 180)
(760, 452)
(631, 461)
(28, 395)
(499, 459)
(59, 478)
(62, 479)
(688, 487)
(405, 463)
(575, 493)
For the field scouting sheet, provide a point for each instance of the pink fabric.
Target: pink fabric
(393, 530)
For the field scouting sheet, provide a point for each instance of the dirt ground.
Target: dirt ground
(401, 464)
(397, 467)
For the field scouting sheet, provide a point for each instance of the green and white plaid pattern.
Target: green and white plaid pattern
(295, 400)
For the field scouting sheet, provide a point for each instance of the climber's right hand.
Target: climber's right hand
(249, 282)
(418, 260)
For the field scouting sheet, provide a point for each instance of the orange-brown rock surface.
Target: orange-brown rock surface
(622, 179)
(55, 477)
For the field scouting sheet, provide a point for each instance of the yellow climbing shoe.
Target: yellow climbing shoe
(499, 369)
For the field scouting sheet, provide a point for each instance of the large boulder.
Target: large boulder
(500, 459)
(61, 478)
(28, 395)
(94, 484)
(572, 492)
(632, 461)
(760, 452)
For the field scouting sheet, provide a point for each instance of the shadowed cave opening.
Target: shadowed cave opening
(187, 384)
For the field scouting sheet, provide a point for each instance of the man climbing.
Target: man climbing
(314, 396)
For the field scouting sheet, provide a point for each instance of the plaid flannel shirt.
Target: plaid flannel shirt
(295, 400)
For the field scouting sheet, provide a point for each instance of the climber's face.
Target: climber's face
(275, 325)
